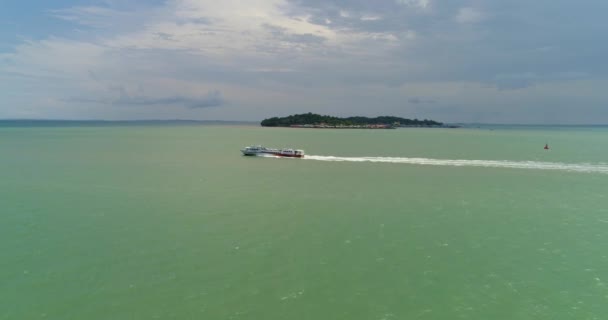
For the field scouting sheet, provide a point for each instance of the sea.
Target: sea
(169, 221)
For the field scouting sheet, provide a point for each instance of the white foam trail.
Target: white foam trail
(575, 167)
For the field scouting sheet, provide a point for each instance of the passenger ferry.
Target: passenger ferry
(261, 151)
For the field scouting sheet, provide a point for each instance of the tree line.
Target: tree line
(311, 118)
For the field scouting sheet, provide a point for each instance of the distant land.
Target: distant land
(311, 120)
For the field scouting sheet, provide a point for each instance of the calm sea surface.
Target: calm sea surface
(171, 222)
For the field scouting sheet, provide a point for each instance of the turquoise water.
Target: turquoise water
(171, 222)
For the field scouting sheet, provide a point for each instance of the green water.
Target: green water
(171, 222)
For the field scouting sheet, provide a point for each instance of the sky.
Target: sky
(491, 61)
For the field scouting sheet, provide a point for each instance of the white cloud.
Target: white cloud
(185, 47)
(423, 4)
(251, 59)
(469, 15)
(370, 17)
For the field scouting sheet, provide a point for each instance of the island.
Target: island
(311, 120)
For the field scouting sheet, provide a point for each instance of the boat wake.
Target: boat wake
(574, 167)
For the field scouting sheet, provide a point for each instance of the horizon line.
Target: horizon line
(257, 121)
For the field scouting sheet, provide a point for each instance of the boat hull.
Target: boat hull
(289, 156)
(276, 154)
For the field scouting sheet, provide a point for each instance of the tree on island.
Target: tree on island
(316, 119)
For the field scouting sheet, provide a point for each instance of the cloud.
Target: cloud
(270, 57)
(212, 99)
(418, 100)
(121, 97)
(271, 70)
(370, 18)
(515, 81)
(469, 15)
(283, 34)
(423, 4)
(89, 15)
